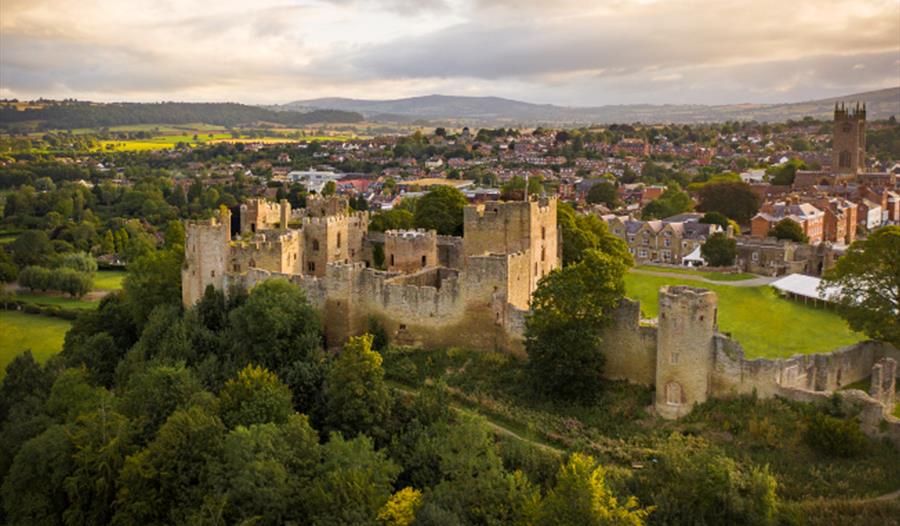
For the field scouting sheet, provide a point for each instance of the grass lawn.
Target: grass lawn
(64, 302)
(109, 279)
(715, 276)
(19, 331)
(766, 325)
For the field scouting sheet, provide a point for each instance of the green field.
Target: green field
(715, 276)
(64, 302)
(109, 279)
(766, 325)
(18, 332)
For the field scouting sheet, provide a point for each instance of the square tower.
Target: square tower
(848, 154)
(507, 227)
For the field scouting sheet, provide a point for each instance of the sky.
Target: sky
(565, 52)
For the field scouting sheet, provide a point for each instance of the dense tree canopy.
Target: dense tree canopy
(869, 277)
(788, 229)
(719, 250)
(735, 200)
(441, 209)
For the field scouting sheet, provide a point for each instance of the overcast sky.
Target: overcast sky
(567, 52)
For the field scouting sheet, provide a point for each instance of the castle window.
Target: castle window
(212, 273)
(339, 240)
(315, 245)
(535, 269)
(673, 358)
(424, 260)
(237, 267)
(674, 394)
(543, 232)
(392, 260)
(543, 253)
(755, 257)
(311, 266)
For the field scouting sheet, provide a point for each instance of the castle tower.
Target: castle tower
(507, 227)
(684, 349)
(848, 154)
(410, 251)
(258, 214)
(206, 252)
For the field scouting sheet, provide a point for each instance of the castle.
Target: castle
(434, 290)
(474, 291)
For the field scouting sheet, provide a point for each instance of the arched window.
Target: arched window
(315, 245)
(674, 394)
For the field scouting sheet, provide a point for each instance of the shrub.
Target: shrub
(834, 436)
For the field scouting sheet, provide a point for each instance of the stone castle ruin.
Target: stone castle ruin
(475, 291)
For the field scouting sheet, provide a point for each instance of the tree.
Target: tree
(784, 174)
(603, 193)
(330, 188)
(164, 481)
(671, 202)
(581, 496)
(33, 491)
(152, 280)
(357, 398)
(400, 509)
(868, 275)
(581, 232)
(735, 200)
(719, 250)
(396, 219)
(715, 218)
(256, 396)
(154, 393)
(441, 209)
(788, 229)
(31, 247)
(352, 483)
(694, 483)
(514, 189)
(570, 308)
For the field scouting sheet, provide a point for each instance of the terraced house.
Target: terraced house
(669, 240)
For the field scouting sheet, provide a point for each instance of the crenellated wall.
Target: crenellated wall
(277, 251)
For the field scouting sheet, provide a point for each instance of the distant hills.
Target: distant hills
(45, 115)
(499, 111)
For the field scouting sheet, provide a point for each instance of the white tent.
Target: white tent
(806, 287)
(694, 259)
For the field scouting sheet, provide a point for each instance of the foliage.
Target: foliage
(719, 250)
(581, 232)
(31, 247)
(714, 218)
(153, 280)
(396, 219)
(834, 436)
(441, 209)
(357, 399)
(400, 509)
(783, 174)
(63, 279)
(735, 200)
(788, 229)
(581, 496)
(570, 308)
(693, 482)
(33, 491)
(869, 277)
(256, 396)
(603, 193)
(514, 189)
(671, 202)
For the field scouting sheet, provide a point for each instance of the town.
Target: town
(454, 263)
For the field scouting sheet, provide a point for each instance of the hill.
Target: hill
(496, 110)
(79, 114)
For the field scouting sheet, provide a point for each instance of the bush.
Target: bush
(834, 437)
(79, 261)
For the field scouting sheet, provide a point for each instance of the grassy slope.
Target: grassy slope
(18, 332)
(766, 326)
(109, 279)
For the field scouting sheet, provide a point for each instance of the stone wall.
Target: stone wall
(277, 251)
(629, 347)
(259, 214)
(410, 250)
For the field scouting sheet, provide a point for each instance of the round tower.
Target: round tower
(684, 348)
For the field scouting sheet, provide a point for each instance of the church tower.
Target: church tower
(848, 155)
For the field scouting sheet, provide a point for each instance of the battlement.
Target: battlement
(419, 233)
(353, 219)
(842, 112)
(268, 240)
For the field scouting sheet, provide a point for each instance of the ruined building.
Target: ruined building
(434, 290)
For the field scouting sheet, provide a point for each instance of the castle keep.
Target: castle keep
(434, 290)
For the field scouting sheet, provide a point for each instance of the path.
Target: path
(754, 282)
(494, 426)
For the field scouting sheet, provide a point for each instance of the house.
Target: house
(810, 219)
(660, 241)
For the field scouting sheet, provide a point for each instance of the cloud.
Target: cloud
(570, 52)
